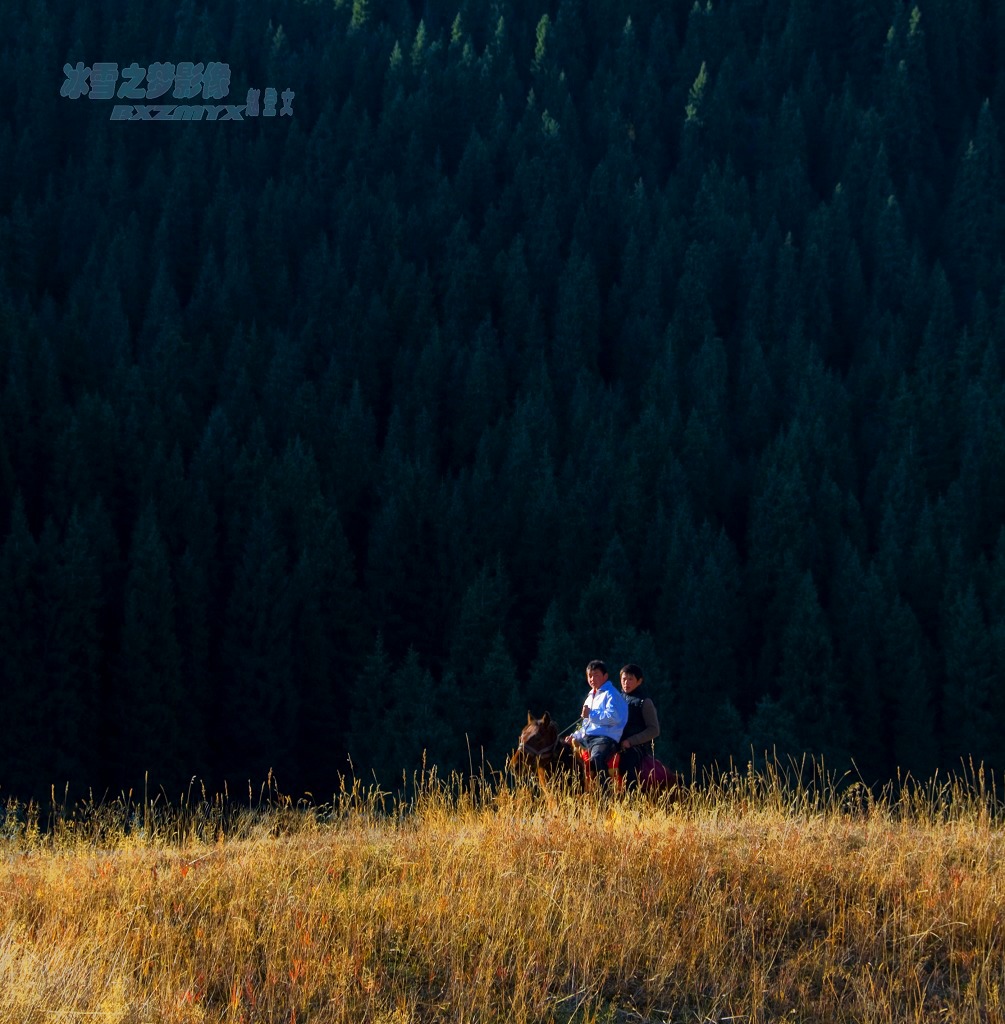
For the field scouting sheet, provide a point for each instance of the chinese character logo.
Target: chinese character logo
(185, 80)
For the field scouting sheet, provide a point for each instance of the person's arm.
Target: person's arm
(580, 733)
(652, 729)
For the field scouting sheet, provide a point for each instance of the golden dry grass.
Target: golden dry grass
(760, 899)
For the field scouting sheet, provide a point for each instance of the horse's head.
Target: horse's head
(538, 739)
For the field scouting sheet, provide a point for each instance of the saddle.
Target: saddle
(653, 773)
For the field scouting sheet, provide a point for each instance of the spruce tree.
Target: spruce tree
(72, 656)
(968, 699)
(21, 604)
(808, 682)
(153, 732)
(258, 713)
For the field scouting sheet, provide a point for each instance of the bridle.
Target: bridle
(539, 752)
(546, 749)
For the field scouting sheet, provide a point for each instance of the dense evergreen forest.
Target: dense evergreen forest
(657, 331)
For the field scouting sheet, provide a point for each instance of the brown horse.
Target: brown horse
(540, 747)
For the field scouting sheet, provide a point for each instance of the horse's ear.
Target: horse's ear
(547, 719)
(530, 718)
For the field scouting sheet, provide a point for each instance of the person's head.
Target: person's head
(596, 674)
(631, 677)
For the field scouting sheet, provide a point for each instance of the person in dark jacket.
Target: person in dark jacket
(643, 723)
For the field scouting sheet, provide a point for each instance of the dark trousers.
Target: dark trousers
(631, 760)
(600, 748)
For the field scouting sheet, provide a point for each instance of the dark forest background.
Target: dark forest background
(661, 331)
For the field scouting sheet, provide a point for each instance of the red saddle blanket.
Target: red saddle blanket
(653, 773)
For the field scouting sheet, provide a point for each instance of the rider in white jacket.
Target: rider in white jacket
(604, 714)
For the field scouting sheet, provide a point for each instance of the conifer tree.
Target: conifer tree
(367, 739)
(71, 655)
(152, 733)
(858, 608)
(417, 736)
(975, 216)
(577, 318)
(483, 614)
(555, 675)
(807, 680)
(496, 690)
(971, 680)
(906, 98)
(260, 704)
(710, 637)
(601, 616)
(21, 604)
(903, 662)
(327, 632)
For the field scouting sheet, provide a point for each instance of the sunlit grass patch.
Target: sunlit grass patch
(765, 895)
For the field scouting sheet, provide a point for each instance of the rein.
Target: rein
(570, 728)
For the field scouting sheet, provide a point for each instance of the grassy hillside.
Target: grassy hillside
(759, 899)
